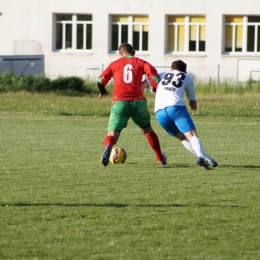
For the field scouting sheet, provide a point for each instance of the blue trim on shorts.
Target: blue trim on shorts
(175, 119)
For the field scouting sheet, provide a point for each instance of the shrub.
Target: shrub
(41, 84)
(8, 82)
(76, 86)
(68, 83)
(26, 83)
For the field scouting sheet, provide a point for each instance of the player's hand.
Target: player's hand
(100, 96)
(144, 85)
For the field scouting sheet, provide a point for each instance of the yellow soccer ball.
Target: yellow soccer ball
(118, 155)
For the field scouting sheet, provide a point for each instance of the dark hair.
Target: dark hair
(127, 48)
(179, 65)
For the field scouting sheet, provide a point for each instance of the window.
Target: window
(186, 34)
(129, 29)
(242, 34)
(73, 32)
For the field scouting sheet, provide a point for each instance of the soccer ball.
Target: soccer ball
(118, 155)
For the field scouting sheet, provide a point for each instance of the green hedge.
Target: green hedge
(30, 83)
(76, 86)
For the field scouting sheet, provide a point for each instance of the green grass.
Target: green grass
(58, 202)
(227, 86)
(42, 104)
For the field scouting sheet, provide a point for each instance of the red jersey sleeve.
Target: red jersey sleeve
(152, 75)
(105, 76)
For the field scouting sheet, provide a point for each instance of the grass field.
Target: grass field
(58, 202)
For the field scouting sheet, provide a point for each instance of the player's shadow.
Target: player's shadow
(177, 165)
(28, 204)
(251, 167)
(199, 205)
(172, 165)
(222, 166)
(116, 205)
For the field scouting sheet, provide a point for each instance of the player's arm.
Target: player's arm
(102, 81)
(145, 84)
(102, 90)
(152, 75)
(193, 104)
(190, 94)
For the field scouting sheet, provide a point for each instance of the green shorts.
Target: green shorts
(122, 110)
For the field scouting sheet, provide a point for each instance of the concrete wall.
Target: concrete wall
(19, 28)
(26, 27)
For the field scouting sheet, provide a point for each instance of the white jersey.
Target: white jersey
(170, 90)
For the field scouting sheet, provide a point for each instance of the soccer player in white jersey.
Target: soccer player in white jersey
(171, 111)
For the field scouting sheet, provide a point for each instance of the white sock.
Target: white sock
(198, 148)
(188, 146)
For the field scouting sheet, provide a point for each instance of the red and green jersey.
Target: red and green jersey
(127, 73)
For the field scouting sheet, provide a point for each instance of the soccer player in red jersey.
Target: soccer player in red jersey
(128, 99)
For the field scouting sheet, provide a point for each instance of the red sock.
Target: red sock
(109, 140)
(153, 141)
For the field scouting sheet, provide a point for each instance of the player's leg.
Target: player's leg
(185, 142)
(109, 141)
(117, 122)
(141, 117)
(111, 138)
(154, 143)
(203, 159)
(185, 125)
(168, 124)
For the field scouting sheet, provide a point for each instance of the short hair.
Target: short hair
(127, 48)
(179, 65)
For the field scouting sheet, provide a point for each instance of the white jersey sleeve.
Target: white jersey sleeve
(190, 93)
(170, 91)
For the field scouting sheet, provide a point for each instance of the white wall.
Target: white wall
(19, 28)
(26, 28)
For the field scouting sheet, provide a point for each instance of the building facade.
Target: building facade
(217, 39)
